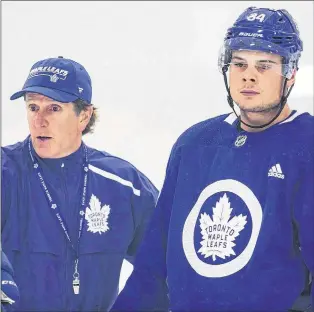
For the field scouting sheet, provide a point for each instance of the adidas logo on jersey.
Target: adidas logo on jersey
(276, 172)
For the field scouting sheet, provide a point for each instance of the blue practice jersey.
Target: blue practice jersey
(234, 223)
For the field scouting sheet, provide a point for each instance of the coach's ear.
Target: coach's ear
(85, 116)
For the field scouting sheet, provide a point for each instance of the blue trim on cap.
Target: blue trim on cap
(56, 95)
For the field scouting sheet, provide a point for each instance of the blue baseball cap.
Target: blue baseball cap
(61, 79)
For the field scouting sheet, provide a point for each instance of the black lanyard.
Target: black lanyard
(56, 210)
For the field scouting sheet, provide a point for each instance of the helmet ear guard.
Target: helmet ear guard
(291, 67)
(224, 59)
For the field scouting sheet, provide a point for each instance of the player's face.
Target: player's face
(256, 80)
(55, 128)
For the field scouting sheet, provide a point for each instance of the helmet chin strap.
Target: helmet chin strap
(281, 103)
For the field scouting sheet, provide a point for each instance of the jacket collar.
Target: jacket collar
(72, 161)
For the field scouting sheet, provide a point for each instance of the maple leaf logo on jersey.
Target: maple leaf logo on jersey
(219, 232)
(97, 216)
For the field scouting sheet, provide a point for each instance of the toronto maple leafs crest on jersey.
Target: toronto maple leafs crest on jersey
(219, 232)
(97, 216)
(221, 229)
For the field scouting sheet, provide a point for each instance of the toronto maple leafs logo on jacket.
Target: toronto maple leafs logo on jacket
(219, 232)
(97, 216)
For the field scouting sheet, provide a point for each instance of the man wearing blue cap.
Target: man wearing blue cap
(70, 213)
(233, 229)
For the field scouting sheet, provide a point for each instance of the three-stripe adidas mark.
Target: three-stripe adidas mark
(275, 171)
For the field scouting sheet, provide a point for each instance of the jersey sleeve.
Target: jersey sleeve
(8, 187)
(9, 290)
(304, 217)
(146, 289)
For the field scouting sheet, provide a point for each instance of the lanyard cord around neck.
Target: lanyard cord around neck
(56, 209)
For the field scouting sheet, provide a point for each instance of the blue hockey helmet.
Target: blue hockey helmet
(265, 30)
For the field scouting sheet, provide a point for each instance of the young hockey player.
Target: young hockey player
(234, 225)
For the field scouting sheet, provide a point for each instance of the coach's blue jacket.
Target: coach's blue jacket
(119, 202)
(10, 292)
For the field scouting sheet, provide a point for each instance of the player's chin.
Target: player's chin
(254, 111)
(250, 108)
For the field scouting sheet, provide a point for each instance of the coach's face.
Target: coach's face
(55, 128)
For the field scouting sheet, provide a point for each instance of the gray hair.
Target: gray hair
(78, 106)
